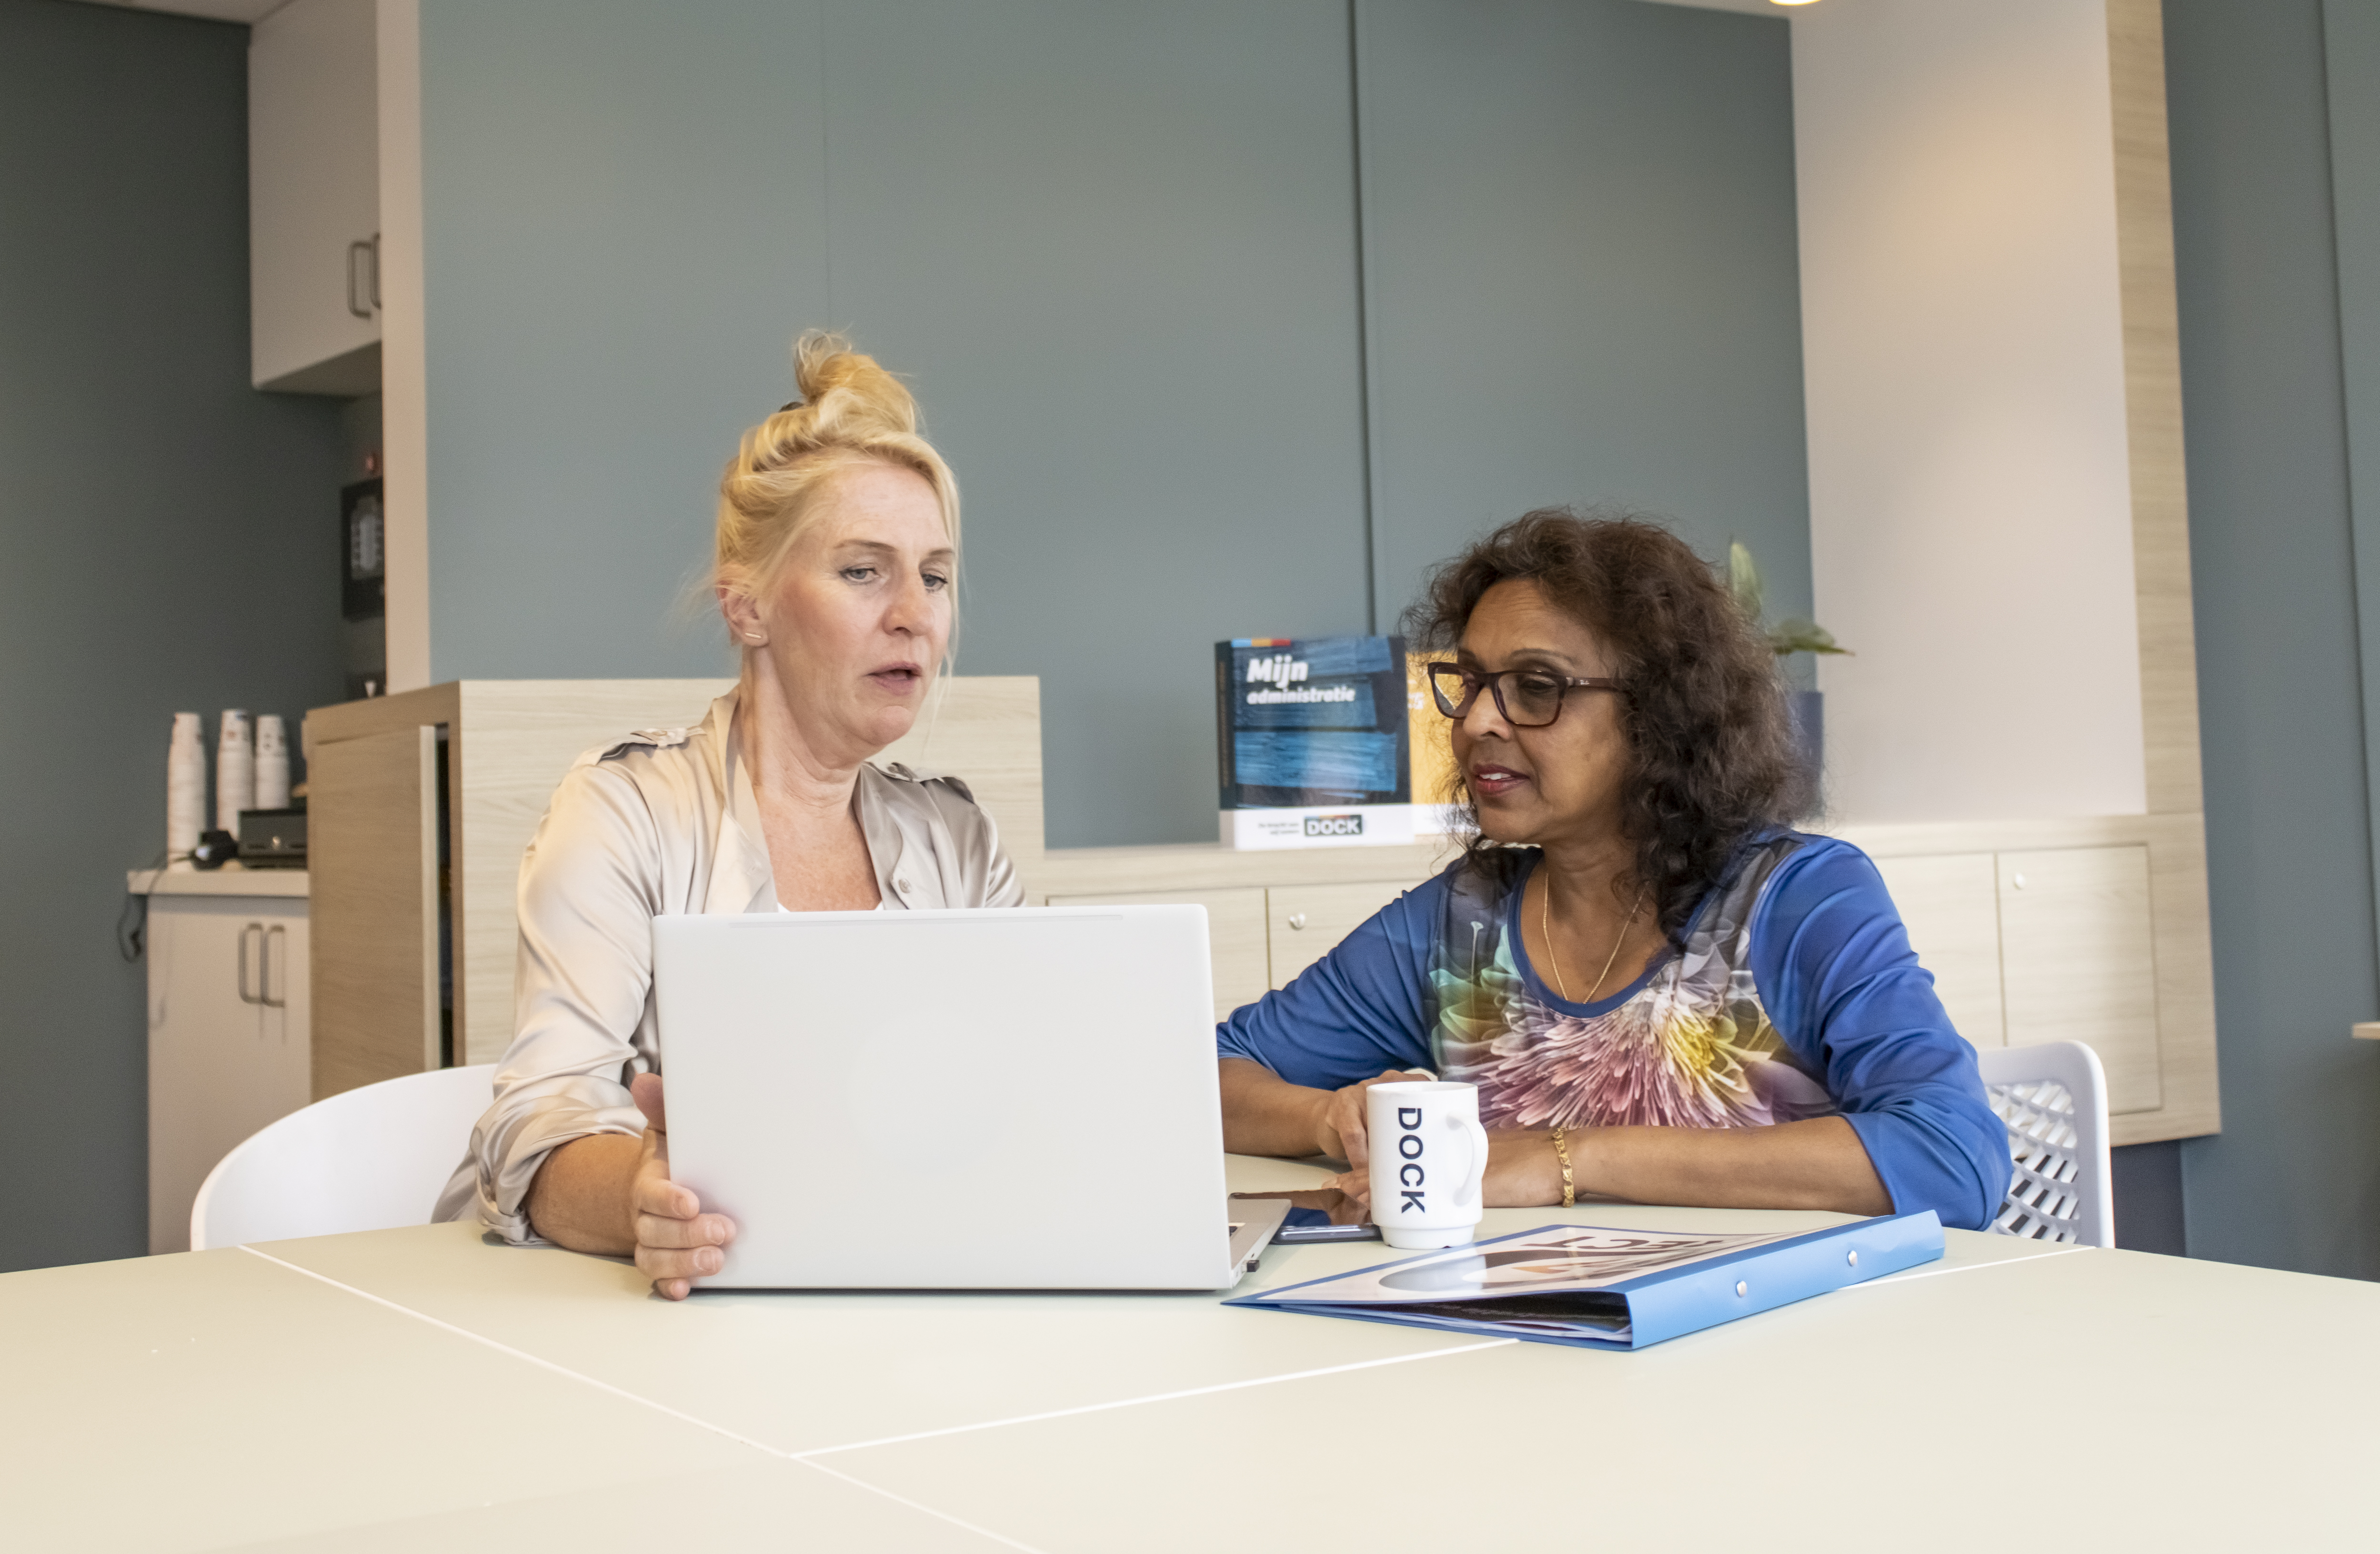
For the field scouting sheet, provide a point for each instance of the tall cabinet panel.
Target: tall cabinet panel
(1581, 277)
(313, 199)
(1112, 242)
(375, 850)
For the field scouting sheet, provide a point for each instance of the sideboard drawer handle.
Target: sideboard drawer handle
(1297, 919)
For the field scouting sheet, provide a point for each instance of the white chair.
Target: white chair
(367, 1160)
(2053, 1099)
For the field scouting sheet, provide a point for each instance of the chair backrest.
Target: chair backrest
(2053, 1099)
(368, 1159)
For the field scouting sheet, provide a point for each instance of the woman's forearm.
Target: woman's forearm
(579, 1196)
(1265, 1114)
(1818, 1164)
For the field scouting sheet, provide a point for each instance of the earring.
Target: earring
(756, 638)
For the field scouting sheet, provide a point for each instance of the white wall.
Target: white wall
(1971, 519)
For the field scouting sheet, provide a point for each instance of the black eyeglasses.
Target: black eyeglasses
(1527, 697)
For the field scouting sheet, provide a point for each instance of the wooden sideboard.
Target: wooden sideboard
(422, 804)
(2093, 929)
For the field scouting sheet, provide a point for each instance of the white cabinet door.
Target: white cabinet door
(1951, 905)
(285, 985)
(313, 198)
(1306, 922)
(1235, 935)
(2079, 961)
(229, 1045)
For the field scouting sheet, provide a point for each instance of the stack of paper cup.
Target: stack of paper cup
(185, 788)
(272, 764)
(235, 771)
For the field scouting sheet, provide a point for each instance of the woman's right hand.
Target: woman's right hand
(1339, 1126)
(676, 1242)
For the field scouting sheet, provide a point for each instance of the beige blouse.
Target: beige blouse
(667, 823)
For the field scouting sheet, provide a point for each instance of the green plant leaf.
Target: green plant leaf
(1743, 580)
(1798, 636)
(1794, 636)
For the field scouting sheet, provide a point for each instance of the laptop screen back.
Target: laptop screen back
(923, 1099)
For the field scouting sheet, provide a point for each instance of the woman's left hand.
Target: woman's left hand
(676, 1242)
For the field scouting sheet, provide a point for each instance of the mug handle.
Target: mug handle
(1476, 1175)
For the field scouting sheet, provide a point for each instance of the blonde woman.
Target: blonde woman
(837, 547)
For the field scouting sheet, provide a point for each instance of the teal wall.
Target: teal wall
(1117, 247)
(1115, 243)
(1582, 275)
(168, 541)
(2293, 1181)
(2351, 61)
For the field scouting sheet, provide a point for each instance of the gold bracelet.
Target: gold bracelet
(1561, 1153)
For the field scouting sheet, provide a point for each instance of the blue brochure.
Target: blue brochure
(1308, 721)
(1611, 1289)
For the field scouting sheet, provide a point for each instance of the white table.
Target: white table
(423, 1389)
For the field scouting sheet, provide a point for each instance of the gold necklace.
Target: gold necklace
(1545, 932)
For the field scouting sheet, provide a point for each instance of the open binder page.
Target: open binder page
(1542, 1282)
(1585, 1283)
(1555, 1259)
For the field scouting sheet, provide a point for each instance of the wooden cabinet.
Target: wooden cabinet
(2079, 959)
(1260, 938)
(313, 199)
(422, 804)
(2044, 944)
(1237, 944)
(229, 1023)
(2091, 930)
(386, 990)
(2027, 946)
(1303, 923)
(2105, 940)
(1951, 905)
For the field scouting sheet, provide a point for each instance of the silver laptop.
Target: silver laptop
(1020, 1098)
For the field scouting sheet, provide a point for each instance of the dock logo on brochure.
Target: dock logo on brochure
(1334, 825)
(1410, 1177)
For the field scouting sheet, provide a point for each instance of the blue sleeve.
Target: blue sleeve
(1355, 1013)
(1844, 989)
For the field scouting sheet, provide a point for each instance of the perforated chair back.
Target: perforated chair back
(2053, 1099)
(368, 1159)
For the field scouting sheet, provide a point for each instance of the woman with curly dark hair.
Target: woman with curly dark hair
(1663, 991)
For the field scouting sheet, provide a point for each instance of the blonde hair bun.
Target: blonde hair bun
(825, 365)
(851, 412)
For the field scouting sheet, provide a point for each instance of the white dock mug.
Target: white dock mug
(1429, 1157)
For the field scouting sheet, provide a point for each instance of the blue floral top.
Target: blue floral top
(1796, 995)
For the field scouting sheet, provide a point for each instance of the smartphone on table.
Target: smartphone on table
(1319, 1214)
